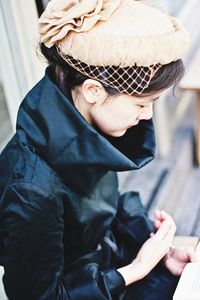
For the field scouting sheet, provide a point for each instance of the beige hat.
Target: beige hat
(113, 32)
(121, 43)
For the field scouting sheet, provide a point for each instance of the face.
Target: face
(118, 113)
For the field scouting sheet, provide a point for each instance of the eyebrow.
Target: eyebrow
(150, 101)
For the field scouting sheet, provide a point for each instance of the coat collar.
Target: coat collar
(77, 151)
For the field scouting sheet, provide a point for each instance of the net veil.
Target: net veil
(129, 80)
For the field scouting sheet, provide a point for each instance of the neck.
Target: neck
(82, 105)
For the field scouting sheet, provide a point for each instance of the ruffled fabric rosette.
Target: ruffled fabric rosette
(64, 16)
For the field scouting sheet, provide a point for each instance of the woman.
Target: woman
(66, 232)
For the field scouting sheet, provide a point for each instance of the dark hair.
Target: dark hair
(67, 77)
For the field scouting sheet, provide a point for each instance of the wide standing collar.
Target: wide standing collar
(78, 152)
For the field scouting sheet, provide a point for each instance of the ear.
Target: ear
(93, 91)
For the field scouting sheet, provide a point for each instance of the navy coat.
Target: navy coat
(64, 227)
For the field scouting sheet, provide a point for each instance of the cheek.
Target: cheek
(112, 119)
(103, 119)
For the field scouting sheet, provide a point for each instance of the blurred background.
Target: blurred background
(171, 181)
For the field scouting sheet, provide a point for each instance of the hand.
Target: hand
(157, 246)
(152, 251)
(160, 216)
(177, 258)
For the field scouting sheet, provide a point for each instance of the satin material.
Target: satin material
(64, 228)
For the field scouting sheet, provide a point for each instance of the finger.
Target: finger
(161, 216)
(157, 219)
(157, 215)
(168, 238)
(166, 228)
(157, 223)
(166, 216)
(191, 255)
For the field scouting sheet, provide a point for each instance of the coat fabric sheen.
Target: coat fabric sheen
(64, 227)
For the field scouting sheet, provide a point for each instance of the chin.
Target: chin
(117, 133)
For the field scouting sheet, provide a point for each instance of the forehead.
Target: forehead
(138, 99)
(148, 98)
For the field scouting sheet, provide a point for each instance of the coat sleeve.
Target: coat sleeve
(34, 255)
(132, 224)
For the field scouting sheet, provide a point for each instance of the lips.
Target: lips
(133, 124)
(136, 122)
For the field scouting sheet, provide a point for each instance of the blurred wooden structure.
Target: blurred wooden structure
(191, 82)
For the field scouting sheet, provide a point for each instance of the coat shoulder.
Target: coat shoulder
(22, 166)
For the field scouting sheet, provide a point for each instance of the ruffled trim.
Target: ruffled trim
(62, 17)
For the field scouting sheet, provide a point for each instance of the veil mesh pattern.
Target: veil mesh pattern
(129, 80)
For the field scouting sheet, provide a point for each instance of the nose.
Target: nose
(146, 112)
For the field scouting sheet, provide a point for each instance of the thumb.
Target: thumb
(192, 255)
